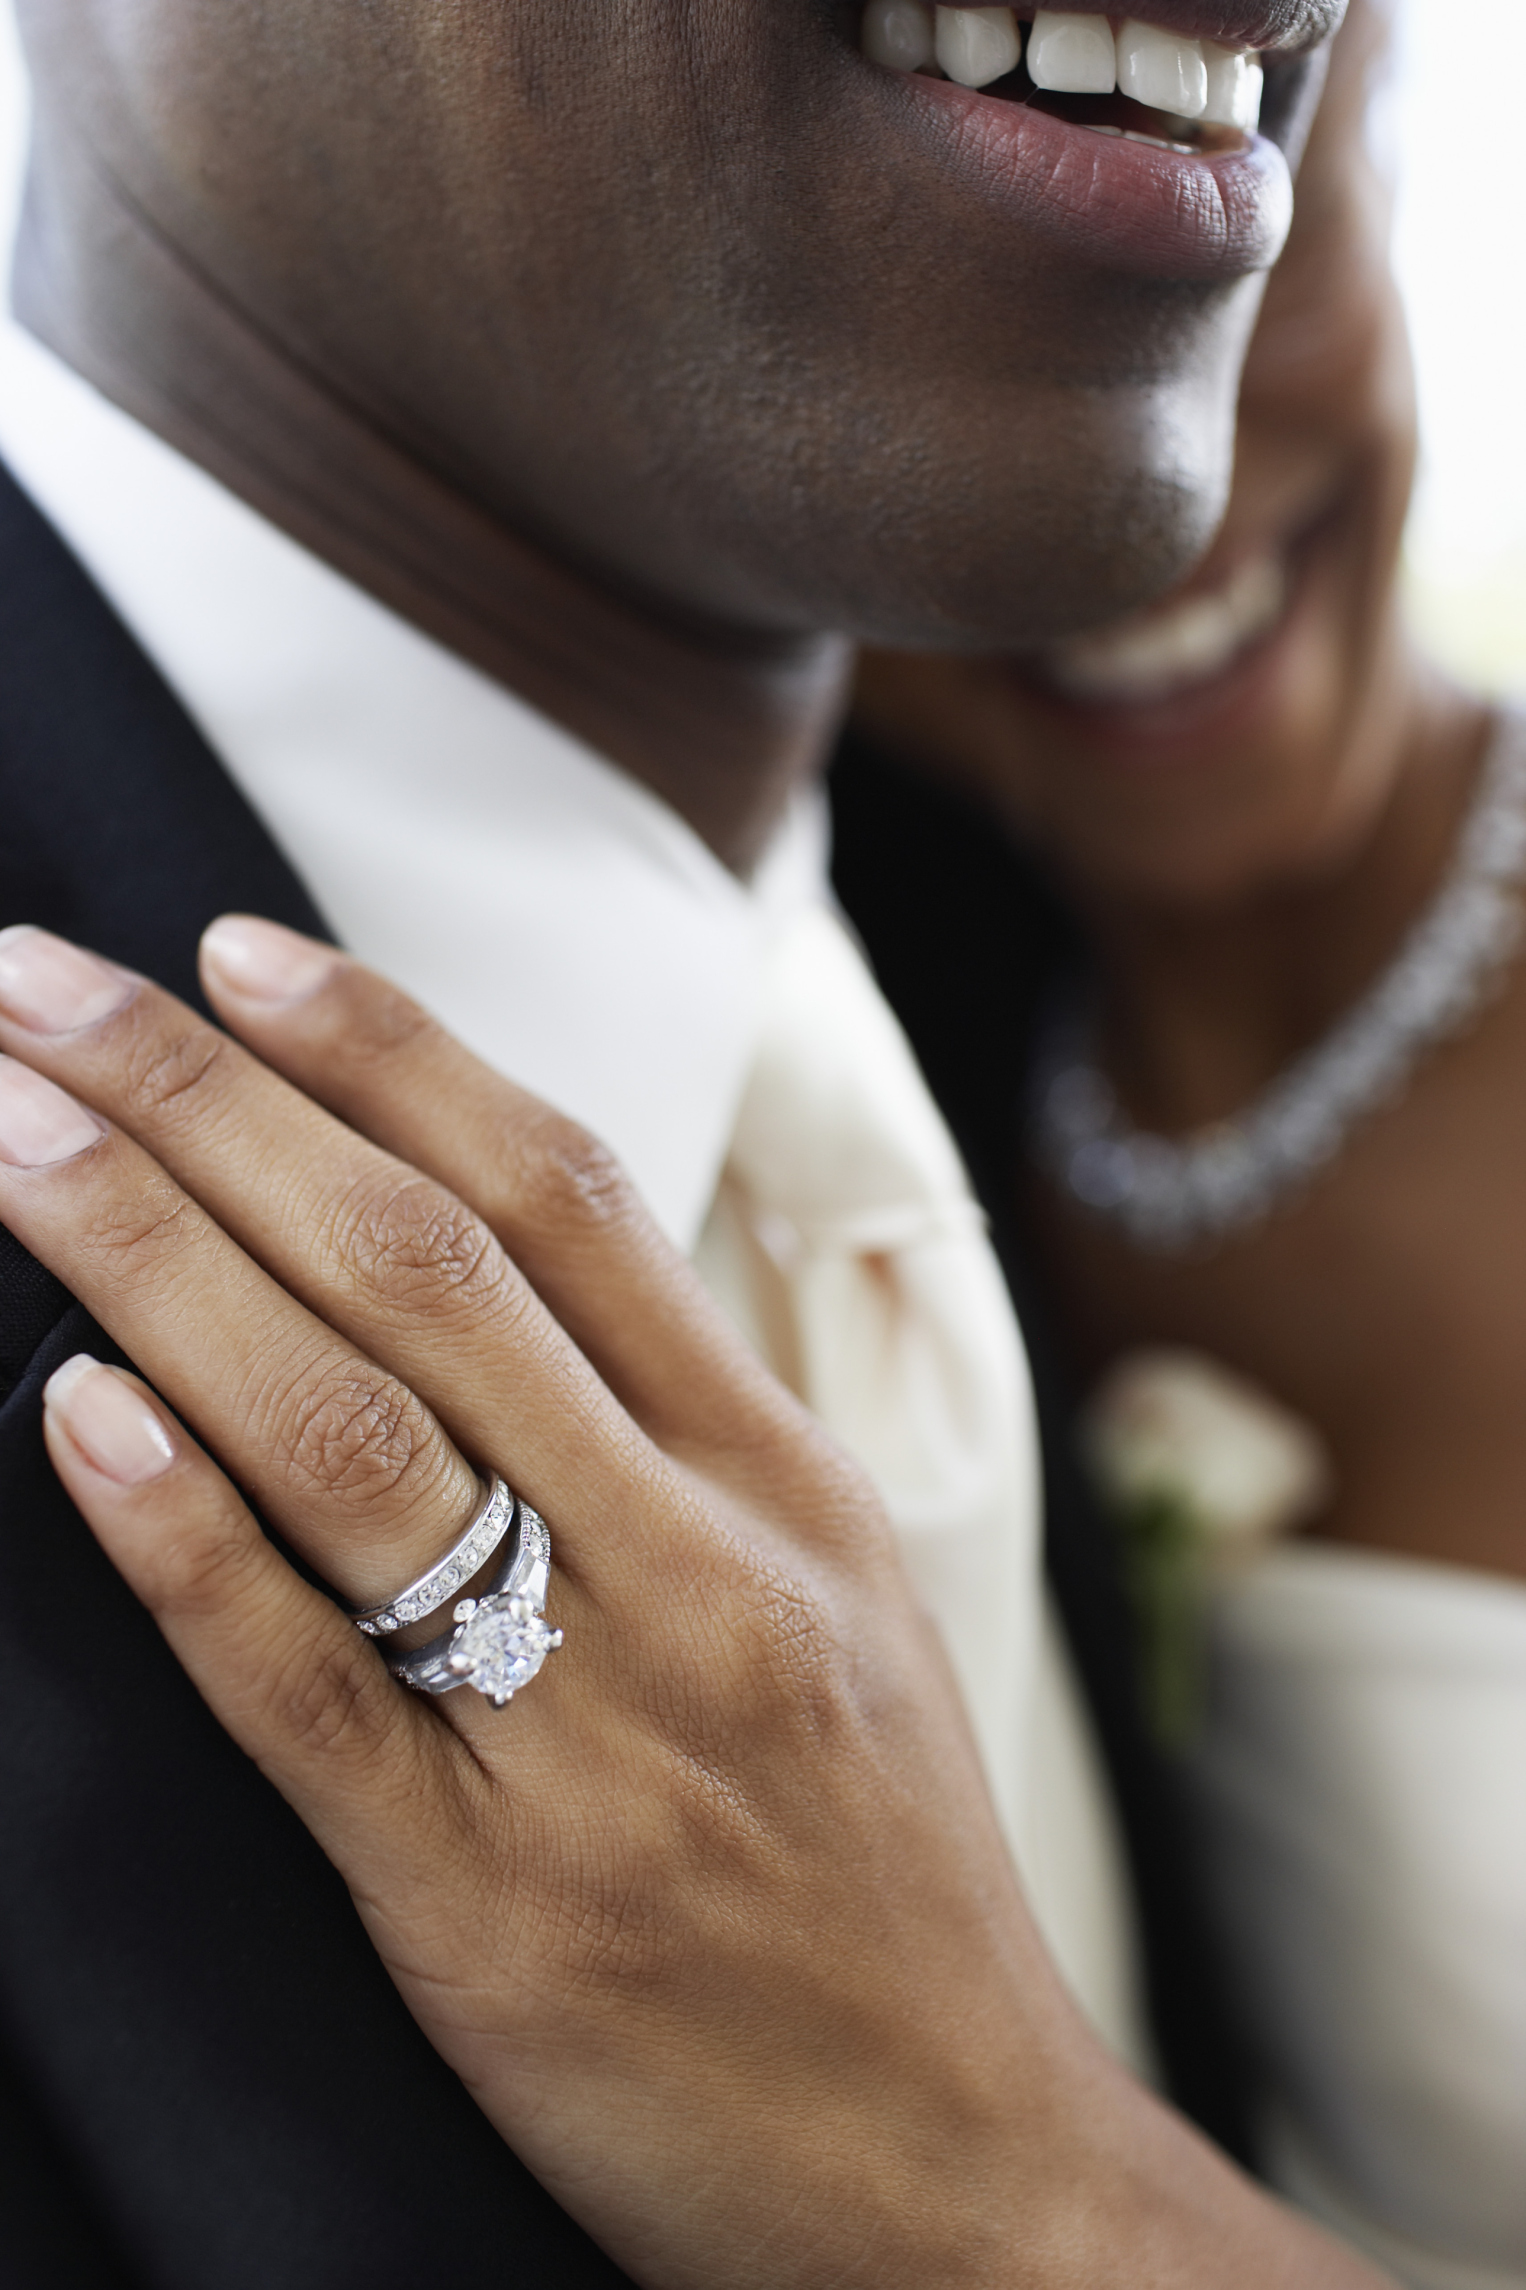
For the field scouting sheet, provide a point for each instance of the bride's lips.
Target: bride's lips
(1117, 200)
(1278, 589)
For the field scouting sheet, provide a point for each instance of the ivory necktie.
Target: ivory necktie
(845, 1241)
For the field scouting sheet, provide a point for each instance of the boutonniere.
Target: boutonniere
(1199, 1470)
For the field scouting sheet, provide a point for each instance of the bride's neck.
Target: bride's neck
(1204, 1006)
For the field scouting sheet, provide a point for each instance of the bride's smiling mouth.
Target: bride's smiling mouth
(1154, 147)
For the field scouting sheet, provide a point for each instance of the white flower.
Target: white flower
(1174, 1426)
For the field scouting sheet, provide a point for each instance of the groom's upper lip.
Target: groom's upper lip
(1287, 27)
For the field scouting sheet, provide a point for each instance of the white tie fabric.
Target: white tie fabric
(846, 1243)
(846, 1240)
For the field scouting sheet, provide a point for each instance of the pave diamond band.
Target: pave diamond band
(500, 1640)
(489, 1525)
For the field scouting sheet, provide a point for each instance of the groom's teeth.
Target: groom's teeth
(978, 45)
(1154, 655)
(1072, 55)
(1160, 70)
(899, 33)
(1235, 82)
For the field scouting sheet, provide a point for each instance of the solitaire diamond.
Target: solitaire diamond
(501, 1646)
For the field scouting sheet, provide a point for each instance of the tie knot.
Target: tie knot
(837, 1139)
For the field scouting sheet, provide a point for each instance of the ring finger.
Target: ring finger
(357, 1473)
(336, 1452)
(389, 1261)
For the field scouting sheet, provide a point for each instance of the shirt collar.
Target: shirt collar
(560, 918)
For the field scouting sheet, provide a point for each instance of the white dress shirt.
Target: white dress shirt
(579, 936)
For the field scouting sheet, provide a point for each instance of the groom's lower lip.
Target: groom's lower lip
(1119, 205)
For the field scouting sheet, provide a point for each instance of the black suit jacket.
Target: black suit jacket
(206, 2080)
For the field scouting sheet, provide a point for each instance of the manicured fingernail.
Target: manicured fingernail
(38, 1123)
(110, 1420)
(265, 961)
(53, 987)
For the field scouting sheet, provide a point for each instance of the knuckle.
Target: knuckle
(355, 1435)
(414, 1247)
(169, 1073)
(783, 1665)
(768, 1670)
(324, 1701)
(205, 1567)
(317, 1695)
(380, 1023)
(572, 1183)
(141, 1225)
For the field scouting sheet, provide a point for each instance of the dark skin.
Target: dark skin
(1247, 857)
(995, 436)
(582, 352)
(715, 1921)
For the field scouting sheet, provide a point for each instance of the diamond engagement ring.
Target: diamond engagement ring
(500, 1640)
(487, 1528)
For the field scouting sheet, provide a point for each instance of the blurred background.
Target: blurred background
(1462, 259)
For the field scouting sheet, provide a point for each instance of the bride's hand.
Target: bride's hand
(713, 1921)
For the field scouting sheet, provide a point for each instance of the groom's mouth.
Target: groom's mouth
(1148, 144)
(1132, 80)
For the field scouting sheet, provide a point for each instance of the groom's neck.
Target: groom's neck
(721, 723)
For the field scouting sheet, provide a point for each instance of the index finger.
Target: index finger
(400, 1267)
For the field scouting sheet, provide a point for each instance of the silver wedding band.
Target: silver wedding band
(485, 1530)
(499, 1641)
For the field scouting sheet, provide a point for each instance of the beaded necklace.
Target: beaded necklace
(1171, 1196)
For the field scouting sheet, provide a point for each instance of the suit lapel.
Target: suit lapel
(118, 825)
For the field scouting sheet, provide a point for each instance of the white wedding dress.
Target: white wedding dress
(1361, 1792)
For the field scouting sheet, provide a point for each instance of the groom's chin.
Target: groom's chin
(1115, 515)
